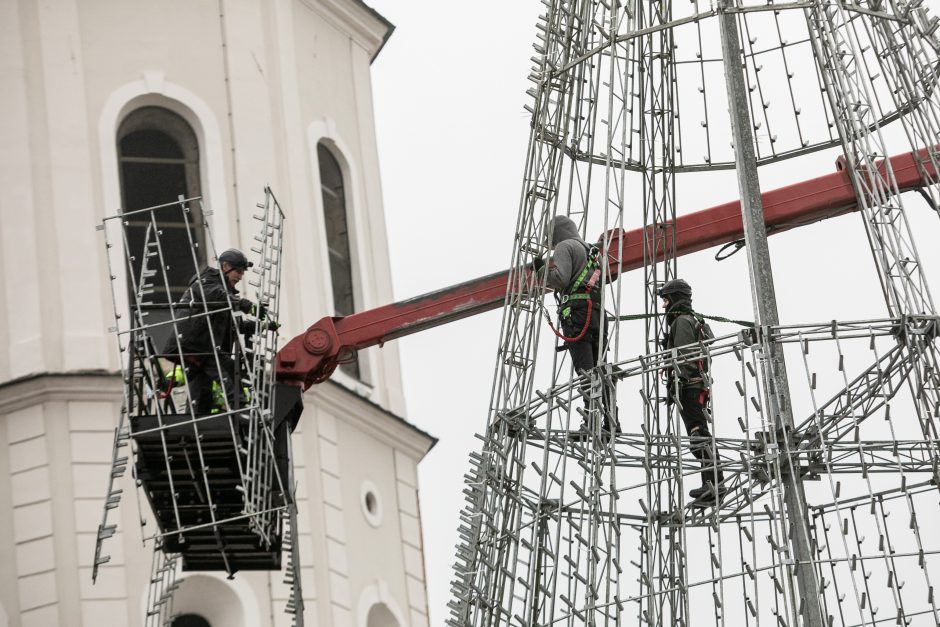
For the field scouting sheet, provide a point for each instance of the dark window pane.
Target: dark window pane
(337, 240)
(331, 176)
(159, 163)
(150, 143)
(150, 184)
(190, 620)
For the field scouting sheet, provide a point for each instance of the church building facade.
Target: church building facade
(110, 106)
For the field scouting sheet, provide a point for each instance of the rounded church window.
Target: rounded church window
(190, 620)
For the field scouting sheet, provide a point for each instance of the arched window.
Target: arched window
(381, 616)
(190, 620)
(159, 161)
(337, 240)
(207, 601)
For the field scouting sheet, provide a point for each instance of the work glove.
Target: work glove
(538, 263)
(170, 380)
(248, 307)
(271, 325)
(666, 376)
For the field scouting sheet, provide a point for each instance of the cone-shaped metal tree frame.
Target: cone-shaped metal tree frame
(830, 470)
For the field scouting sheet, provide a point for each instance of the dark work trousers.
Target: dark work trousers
(202, 374)
(585, 352)
(692, 410)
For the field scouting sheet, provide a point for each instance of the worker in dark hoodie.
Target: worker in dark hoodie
(688, 383)
(576, 277)
(206, 340)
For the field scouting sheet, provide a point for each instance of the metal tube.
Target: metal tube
(765, 310)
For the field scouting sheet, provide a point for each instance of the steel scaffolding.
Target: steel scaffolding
(214, 471)
(827, 431)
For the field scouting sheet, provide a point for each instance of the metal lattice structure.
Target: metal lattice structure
(827, 434)
(218, 482)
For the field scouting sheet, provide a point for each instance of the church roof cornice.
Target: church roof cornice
(46, 387)
(363, 23)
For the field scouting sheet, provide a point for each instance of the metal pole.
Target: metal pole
(765, 311)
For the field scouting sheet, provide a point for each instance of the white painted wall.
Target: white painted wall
(261, 82)
(260, 85)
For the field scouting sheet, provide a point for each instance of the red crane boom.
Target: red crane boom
(312, 356)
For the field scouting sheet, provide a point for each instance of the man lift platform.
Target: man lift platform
(198, 367)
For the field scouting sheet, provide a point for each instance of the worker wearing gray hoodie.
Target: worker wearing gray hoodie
(576, 284)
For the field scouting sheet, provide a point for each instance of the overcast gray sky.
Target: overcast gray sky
(449, 88)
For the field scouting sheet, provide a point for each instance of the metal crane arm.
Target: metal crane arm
(312, 356)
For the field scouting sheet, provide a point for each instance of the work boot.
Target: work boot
(582, 434)
(585, 432)
(708, 491)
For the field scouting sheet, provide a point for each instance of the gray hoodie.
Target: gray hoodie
(569, 253)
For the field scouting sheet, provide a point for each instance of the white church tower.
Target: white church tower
(107, 106)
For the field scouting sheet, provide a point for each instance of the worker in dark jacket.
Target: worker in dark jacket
(688, 383)
(576, 278)
(206, 341)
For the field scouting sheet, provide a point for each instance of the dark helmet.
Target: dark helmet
(235, 258)
(676, 286)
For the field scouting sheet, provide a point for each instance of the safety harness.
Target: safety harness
(703, 333)
(585, 286)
